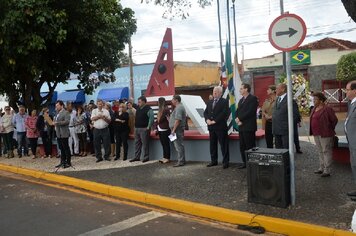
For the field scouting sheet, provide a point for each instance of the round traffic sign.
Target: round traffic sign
(287, 32)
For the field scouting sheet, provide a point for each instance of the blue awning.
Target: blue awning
(54, 96)
(113, 94)
(76, 96)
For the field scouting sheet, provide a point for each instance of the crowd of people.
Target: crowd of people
(103, 129)
(100, 129)
(77, 129)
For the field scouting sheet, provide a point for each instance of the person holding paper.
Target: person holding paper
(177, 124)
(216, 115)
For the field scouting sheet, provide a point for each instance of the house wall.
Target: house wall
(322, 67)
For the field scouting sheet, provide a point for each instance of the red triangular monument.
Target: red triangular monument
(162, 78)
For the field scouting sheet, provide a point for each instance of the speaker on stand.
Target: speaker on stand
(268, 176)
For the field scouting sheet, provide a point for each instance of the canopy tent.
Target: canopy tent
(54, 96)
(113, 94)
(75, 96)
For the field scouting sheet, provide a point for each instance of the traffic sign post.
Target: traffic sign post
(286, 33)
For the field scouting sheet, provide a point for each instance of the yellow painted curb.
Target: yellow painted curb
(271, 224)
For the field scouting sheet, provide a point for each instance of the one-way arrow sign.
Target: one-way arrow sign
(283, 39)
(290, 32)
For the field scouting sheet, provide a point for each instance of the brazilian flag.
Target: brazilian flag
(230, 84)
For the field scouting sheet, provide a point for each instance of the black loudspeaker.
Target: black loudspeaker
(268, 176)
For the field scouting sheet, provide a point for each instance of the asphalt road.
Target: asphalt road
(28, 208)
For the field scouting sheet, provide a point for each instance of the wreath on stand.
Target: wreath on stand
(301, 92)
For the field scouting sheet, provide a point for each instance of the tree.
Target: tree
(42, 41)
(346, 67)
(350, 6)
(178, 8)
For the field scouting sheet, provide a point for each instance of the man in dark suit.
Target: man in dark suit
(61, 123)
(246, 120)
(280, 117)
(350, 127)
(216, 115)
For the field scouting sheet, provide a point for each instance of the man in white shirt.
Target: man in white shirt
(101, 120)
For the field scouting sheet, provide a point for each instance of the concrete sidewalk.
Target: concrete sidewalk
(320, 201)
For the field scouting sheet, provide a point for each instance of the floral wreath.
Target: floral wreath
(301, 92)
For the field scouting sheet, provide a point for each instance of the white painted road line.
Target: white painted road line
(126, 224)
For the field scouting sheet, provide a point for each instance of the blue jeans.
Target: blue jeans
(22, 143)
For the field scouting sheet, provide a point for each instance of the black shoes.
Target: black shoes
(325, 175)
(107, 159)
(99, 160)
(59, 166)
(145, 160)
(178, 165)
(135, 159)
(64, 166)
(241, 166)
(225, 166)
(299, 151)
(351, 194)
(211, 164)
(319, 172)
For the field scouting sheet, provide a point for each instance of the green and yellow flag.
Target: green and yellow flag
(230, 85)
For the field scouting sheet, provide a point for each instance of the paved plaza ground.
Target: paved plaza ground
(321, 201)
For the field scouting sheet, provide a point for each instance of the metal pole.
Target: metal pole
(283, 53)
(228, 19)
(132, 94)
(235, 34)
(290, 127)
(221, 50)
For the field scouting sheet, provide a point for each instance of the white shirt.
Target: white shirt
(100, 123)
(353, 100)
(282, 97)
(73, 114)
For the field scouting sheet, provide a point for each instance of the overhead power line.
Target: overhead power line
(213, 46)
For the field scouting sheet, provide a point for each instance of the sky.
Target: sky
(196, 38)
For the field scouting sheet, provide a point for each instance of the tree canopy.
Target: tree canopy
(180, 8)
(346, 67)
(42, 41)
(350, 6)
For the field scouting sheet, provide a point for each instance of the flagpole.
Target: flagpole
(235, 34)
(228, 19)
(219, 22)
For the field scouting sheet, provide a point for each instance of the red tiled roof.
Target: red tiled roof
(330, 43)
